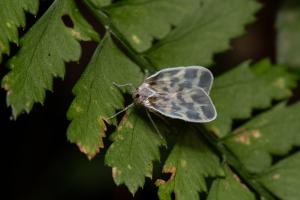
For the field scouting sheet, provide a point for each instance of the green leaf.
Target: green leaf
(283, 179)
(229, 188)
(189, 163)
(100, 3)
(96, 96)
(44, 49)
(288, 29)
(135, 146)
(272, 133)
(206, 31)
(140, 21)
(13, 17)
(237, 92)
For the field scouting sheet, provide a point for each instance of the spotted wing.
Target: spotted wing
(193, 105)
(172, 80)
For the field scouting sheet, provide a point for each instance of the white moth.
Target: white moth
(180, 93)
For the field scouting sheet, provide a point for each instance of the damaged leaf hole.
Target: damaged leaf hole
(67, 21)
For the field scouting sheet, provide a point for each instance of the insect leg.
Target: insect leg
(154, 125)
(162, 118)
(126, 108)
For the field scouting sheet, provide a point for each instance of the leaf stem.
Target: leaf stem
(109, 26)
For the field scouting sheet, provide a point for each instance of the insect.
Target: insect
(180, 93)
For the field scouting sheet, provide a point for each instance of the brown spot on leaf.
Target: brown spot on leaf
(159, 182)
(136, 39)
(76, 34)
(183, 163)
(119, 137)
(256, 134)
(168, 170)
(279, 83)
(86, 152)
(115, 172)
(6, 86)
(78, 109)
(8, 24)
(90, 154)
(276, 176)
(244, 135)
(243, 138)
(129, 125)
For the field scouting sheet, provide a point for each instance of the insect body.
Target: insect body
(181, 93)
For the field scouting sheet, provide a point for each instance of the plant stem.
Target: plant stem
(109, 26)
(222, 150)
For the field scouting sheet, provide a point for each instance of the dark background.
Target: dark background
(39, 162)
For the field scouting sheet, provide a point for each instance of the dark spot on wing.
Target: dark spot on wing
(208, 111)
(199, 98)
(205, 80)
(189, 106)
(153, 99)
(164, 98)
(175, 107)
(191, 73)
(174, 81)
(165, 89)
(152, 83)
(192, 115)
(180, 98)
(185, 85)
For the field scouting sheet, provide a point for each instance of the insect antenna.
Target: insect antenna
(154, 125)
(121, 111)
(124, 85)
(146, 74)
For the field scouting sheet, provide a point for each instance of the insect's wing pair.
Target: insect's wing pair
(182, 93)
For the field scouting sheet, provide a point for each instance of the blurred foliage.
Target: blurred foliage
(288, 27)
